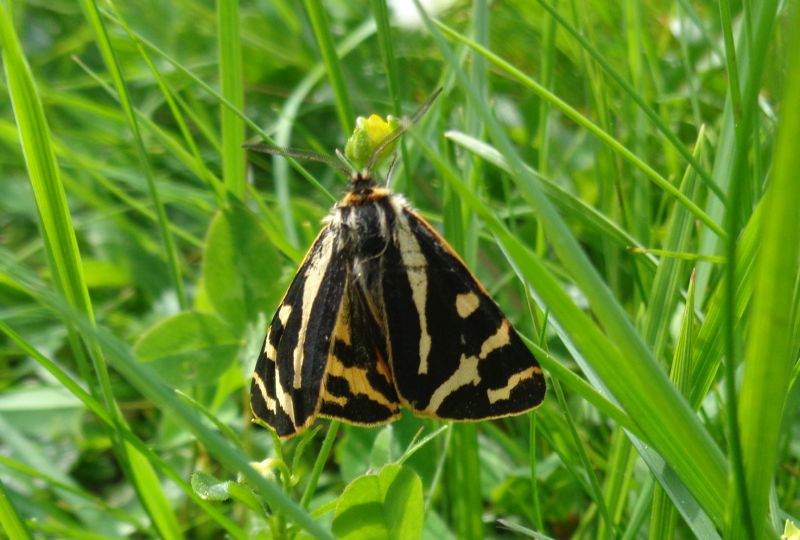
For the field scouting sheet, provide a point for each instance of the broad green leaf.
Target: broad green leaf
(387, 505)
(189, 348)
(240, 267)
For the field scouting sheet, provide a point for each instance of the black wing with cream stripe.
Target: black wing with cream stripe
(325, 353)
(287, 380)
(453, 353)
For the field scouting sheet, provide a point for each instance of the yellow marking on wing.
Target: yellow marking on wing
(336, 400)
(467, 303)
(513, 381)
(342, 329)
(263, 389)
(467, 373)
(501, 338)
(356, 378)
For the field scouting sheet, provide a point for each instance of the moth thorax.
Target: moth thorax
(365, 229)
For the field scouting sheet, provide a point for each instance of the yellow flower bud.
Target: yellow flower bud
(367, 136)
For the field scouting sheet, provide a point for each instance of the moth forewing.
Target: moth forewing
(458, 357)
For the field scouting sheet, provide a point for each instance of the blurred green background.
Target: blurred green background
(598, 165)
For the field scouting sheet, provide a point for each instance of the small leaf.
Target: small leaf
(387, 505)
(241, 267)
(189, 348)
(209, 488)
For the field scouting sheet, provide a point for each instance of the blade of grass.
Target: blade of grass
(330, 59)
(587, 124)
(662, 517)
(65, 261)
(284, 123)
(319, 463)
(739, 519)
(594, 485)
(566, 201)
(770, 352)
(109, 57)
(384, 33)
(583, 389)
(730, 57)
(13, 525)
(230, 76)
(660, 125)
(174, 107)
(465, 485)
(664, 292)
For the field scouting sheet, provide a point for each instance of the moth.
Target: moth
(384, 314)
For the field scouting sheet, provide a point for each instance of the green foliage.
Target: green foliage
(189, 349)
(239, 259)
(383, 506)
(621, 176)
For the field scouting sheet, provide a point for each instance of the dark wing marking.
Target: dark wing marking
(358, 384)
(285, 392)
(452, 351)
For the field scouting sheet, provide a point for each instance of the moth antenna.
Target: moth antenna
(396, 134)
(297, 153)
(390, 171)
(347, 163)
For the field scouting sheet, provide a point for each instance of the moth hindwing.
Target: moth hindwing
(382, 314)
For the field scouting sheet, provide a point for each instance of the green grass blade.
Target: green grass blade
(739, 519)
(194, 160)
(636, 96)
(333, 67)
(286, 119)
(107, 51)
(61, 244)
(770, 352)
(12, 523)
(664, 292)
(662, 518)
(587, 124)
(230, 75)
(380, 11)
(567, 202)
(730, 57)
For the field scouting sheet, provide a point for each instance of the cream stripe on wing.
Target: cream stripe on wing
(268, 401)
(467, 373)
(505, 392)
(314, 274)
(417, 271)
